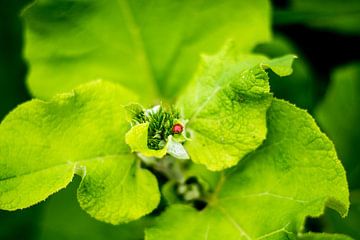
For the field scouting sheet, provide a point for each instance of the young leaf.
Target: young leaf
(137, 138)
(294, 174)
(42, 145)
(226, 106)
(151, 47)
(176, 149)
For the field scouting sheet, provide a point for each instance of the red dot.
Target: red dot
(177, 128)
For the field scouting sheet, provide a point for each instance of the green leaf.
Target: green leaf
(151, 47)
(294, 174)
(323, 236)
(42, 145)
(117, 190)
(176, 149)
(227, 116)
(339, 116)
(282, 66)
(137, 138)
(299, 87)
(132, 110)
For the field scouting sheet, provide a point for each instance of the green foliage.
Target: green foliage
(152, 47)
(275, 182)
(227, 118)
(137, 139)
(66, 136)
(264, 164)
(160, 124)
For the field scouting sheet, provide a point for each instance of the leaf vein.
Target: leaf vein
(138, 40)
(283, 229)
(234, 223)
(269, 194)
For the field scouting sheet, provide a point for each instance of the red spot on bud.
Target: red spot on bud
(177, 128)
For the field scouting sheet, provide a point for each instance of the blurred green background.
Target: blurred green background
(325, 34)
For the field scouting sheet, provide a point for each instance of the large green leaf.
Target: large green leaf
(226, 105)
(42, 145)
(150, 46)
(294, 174)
